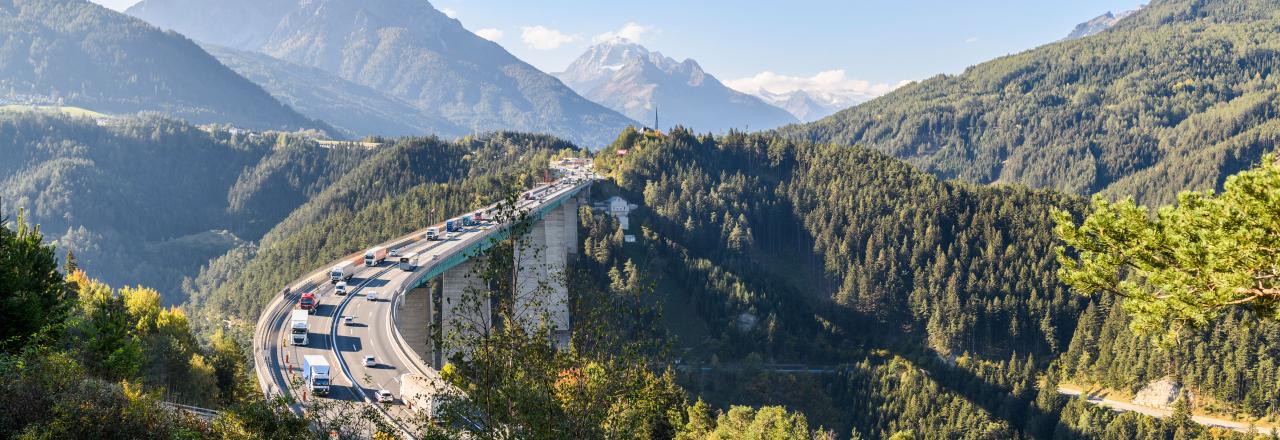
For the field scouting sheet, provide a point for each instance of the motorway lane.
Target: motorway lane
(372, 333)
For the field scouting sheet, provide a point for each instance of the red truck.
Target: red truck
(307, 302)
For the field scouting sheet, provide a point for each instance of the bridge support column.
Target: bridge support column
(571, 224)
(464, 308)
(414, 320)
(540, 284)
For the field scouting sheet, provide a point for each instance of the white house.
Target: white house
(619, 209)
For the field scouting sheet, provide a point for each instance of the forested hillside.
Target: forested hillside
(403, 187)
(914, 296)
(74, 52)
(151, 200)
(1178, 96)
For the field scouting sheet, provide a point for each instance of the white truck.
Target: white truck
(375, 256)
(342, 271)
(298, 327)
(409, 262)
(315, 374)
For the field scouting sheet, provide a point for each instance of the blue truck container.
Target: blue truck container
(468, 220)
(452, 226)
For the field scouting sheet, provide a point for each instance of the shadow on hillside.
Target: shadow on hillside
(1018, 411)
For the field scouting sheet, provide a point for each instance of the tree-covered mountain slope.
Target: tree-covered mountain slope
(152, 199)
(74, 52)
(771, 251)
(404, 186)
(403, 48)
(1177, 96)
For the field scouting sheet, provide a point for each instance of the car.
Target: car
(385, 396)
(395, 252)
(371, 295)
(349, 320)
(369, 361)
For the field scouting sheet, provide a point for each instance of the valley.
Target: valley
(410, 219)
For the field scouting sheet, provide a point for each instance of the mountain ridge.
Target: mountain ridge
(407, 50)
(627, 77)
(74, 52)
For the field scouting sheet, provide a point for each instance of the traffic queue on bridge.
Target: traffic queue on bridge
(316, 370)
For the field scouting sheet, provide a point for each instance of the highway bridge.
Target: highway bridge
(394, 326)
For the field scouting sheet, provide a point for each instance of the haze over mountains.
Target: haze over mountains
(629, 78)
(80, 54)
(403, 48)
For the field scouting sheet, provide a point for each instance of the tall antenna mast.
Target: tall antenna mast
(655, 118)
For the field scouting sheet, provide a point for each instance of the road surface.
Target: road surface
(372, 331)
(1122, 406)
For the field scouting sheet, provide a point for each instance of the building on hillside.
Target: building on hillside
(618, 208)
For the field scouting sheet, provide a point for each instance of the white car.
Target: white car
(369, 361)
(371, 295)
(385, 396)
(349, 320)
(395, 252)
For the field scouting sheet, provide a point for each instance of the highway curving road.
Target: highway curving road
(372, 331)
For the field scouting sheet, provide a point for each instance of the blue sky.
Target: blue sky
(879, 42)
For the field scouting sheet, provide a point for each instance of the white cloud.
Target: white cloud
(544, 38)
(630, 31)
(490, 34)
(449, 12)
(828, 82)
(970, 40)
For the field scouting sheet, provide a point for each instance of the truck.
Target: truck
(375, 256)
(342, 271)
(298, 327)
(307, 302)
(315, 374)
(468, 220)
(433, 234)
(409, 262)
(452, 225)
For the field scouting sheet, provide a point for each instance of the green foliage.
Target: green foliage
(151, 200)
(1190, 263)
(1179, 96)
(770, 422)
(402, 187)
(98, 361)
(34, 300)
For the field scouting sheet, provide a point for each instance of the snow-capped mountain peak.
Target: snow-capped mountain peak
(631, 79)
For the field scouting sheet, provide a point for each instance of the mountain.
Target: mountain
(809, 106)
(76, 53)
(1097, 24)
(626, 77)
(351, 108)
(1122, 112)
(150, 200)
(403, 48)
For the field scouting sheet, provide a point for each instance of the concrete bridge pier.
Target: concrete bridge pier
(414, 319)
(465, 308)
